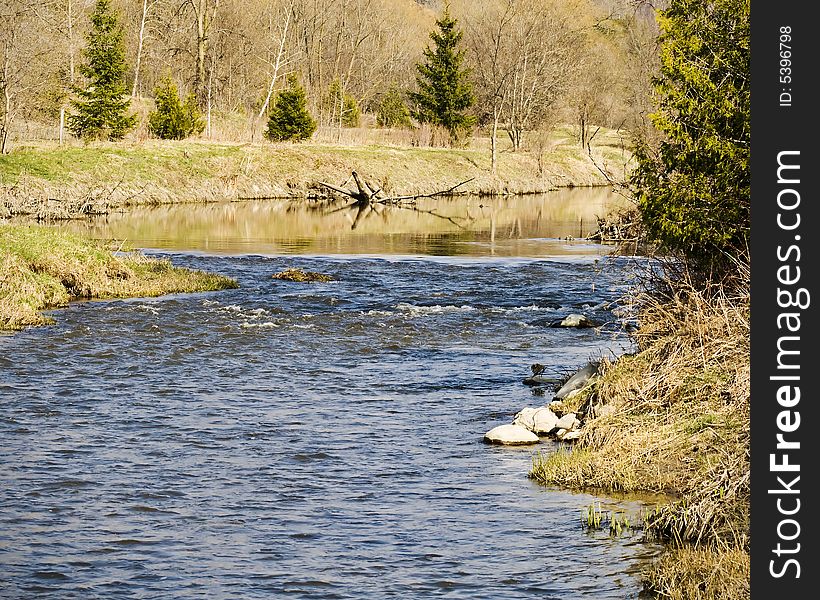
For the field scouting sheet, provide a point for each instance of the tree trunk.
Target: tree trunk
(201, 48)
(493, 140)
(70, 43)
(62, 123)
(276, 66)
(145, 8)
(4, 128)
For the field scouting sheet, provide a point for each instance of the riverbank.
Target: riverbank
(674, 418)
(48, 181)
(42, 268)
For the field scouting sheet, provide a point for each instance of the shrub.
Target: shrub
(173, 119)
(392, 111)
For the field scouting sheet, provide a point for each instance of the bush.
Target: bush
(289, 118)
(173, 119)
(392, 111)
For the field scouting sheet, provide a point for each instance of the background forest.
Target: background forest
(533, 64)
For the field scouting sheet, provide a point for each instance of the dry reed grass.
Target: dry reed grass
(679, 424)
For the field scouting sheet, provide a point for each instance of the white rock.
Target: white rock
(568, 421)
(570, 436)
(510, 435)
(561, 433)
(575, 320)
(540, 421)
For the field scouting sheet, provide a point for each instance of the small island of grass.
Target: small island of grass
(42, 268)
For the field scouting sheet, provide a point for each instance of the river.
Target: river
(313, 440)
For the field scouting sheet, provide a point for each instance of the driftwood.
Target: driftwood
(366, 193)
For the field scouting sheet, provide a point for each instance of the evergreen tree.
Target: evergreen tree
(289, 119)
(392, 111)
(445, 92)
(173, 119)
(102, 106)
(694, 190)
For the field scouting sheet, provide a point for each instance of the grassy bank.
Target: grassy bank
(677, 421)
(54, 181)
(41, 268)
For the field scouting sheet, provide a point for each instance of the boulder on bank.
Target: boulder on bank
(541, 421)
(578, 380)
(569, 422)
(510, 435)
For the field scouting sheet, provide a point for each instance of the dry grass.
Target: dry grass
(679, 424)
(705, 573)
(41, 268)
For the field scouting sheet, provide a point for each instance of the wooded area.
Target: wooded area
(532, 63)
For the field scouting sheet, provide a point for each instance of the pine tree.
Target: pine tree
(445, 92)
(694, 190)
(289, 119)
(173, 119)
(102, 106)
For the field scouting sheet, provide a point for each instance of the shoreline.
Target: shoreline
(42, 268)
(673, 418)
(50, 182)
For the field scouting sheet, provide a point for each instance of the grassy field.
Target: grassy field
(52, 181)
(677, 422)
(41, 268)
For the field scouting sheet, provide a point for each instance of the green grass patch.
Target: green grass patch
(42, 268)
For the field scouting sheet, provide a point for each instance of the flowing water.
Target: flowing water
(312, 440)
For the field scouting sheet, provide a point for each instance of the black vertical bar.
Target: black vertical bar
(784, 59)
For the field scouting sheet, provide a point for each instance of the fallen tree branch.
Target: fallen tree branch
(369, 194)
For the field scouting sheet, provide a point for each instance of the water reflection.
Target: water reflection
(536, 225)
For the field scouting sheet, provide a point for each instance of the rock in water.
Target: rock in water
(573, 320)
(510, 435)
(578, 380)
(302, 276)
(541, 380)
(541, 421)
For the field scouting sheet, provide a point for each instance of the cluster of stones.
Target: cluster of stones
(531, 423)
(548, 420)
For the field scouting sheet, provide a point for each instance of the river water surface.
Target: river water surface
(312, 440)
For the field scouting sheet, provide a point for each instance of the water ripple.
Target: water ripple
(304, 441)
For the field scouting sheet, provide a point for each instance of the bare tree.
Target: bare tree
(494, 58)
(147, 5)
(279, 61)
